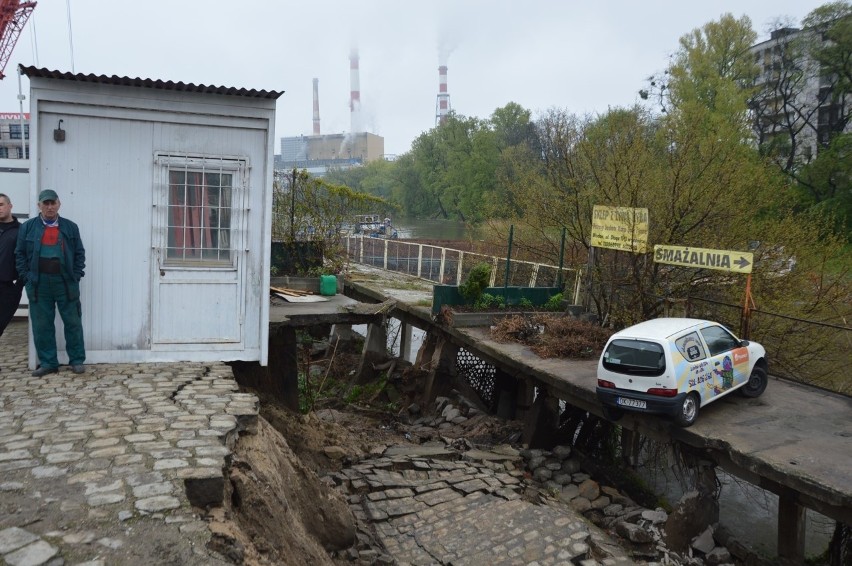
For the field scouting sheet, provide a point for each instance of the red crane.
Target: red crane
(13, 15)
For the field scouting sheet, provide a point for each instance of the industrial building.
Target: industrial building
(319, 153)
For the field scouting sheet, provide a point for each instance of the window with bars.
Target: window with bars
(199, 210)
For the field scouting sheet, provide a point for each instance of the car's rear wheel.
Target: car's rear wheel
(756, 383)
(688, 410)
(612, 413)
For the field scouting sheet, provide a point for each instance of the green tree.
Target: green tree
(832, 48)
(513, 126)
(798, 124)
(826, 184)
(693, 167)
(454, 164)
(306, 208)
(377, 178)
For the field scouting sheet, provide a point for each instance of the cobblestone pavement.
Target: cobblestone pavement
(428, 509)
(104, 467)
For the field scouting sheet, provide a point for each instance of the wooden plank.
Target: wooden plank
(291, 292)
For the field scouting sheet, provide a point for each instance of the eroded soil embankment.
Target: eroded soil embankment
(277, 511)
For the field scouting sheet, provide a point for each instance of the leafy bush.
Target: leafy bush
(554, 303)
(489, 301)
(476, 283)
(525, 303)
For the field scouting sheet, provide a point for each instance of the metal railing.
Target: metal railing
(807, 351)
(449, 266)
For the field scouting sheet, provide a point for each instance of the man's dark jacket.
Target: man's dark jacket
(8, 239)
(29, 246)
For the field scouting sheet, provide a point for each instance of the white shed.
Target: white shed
(171, 186)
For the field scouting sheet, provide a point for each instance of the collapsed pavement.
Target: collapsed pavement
(447, 500)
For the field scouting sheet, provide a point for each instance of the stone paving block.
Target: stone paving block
(140, 437)
(34, 554)
(170, 464)
(102, 442)
(100, 499)
(41, 472)
(15, 455)
(439, 496)
(14, 538)
(471, 486)
(157, 503)
(18, 465)
(108, 452)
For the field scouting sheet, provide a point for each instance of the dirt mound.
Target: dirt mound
(277, 509)
(326, 437)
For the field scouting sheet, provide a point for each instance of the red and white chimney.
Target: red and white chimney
(442, 104)
(316, 108)
(354, 92)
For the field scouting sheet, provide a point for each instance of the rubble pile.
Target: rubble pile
(645, 532)
(431, 502)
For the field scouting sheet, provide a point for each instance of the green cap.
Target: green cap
(47, 194)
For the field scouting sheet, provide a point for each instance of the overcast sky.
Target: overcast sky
(582, 56)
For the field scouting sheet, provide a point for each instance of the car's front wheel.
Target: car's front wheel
(756, 383)
(688, 410)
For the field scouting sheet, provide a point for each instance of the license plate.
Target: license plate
(635, 403)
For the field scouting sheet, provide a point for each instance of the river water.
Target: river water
(437, 229)
(748, 511)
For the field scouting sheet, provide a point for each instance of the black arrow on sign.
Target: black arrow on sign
(742, 262)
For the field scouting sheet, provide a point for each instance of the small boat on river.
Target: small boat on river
(373, 226)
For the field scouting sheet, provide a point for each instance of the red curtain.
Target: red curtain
(189, 204)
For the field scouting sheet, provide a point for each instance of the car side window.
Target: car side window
(719, 340)
(690, 347)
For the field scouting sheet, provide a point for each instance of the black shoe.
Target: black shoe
(42, 371)
(78, 368)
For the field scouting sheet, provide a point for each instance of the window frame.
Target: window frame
(628, 366)
(237, 168)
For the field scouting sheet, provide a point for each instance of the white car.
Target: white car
(675, 366)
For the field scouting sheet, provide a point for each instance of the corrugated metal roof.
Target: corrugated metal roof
(149, 83)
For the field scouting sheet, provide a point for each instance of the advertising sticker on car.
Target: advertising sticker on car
(635, 403)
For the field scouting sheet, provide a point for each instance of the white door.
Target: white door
(198, 252)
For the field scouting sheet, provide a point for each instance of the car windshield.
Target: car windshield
(635, 357)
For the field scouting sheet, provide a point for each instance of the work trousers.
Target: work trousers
(53, 293)
(10, 298)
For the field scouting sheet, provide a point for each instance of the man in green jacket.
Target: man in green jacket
(50, 257)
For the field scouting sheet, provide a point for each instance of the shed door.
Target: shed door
(198, 248)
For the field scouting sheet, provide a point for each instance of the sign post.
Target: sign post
(722, 260)
(617, 228)
(685, 256)
(620, 228)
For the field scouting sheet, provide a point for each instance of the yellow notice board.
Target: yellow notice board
(738, 262)
(620, 228)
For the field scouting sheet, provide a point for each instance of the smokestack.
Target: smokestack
(442, 104)
(316, 108)
(355, 92)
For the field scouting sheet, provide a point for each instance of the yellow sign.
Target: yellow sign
(620, 228)
(739, 262)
